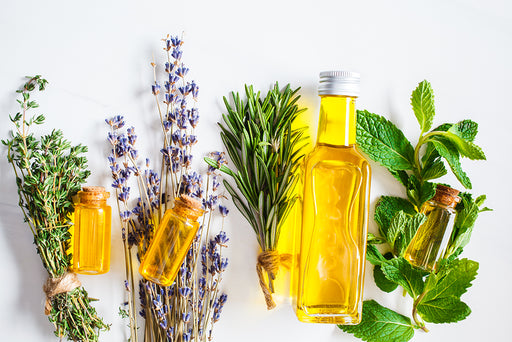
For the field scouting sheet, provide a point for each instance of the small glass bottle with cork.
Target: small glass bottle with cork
(172, 240)
(431, 239)
(90, 233)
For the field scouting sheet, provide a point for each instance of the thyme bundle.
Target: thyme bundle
(49, 171)
(266, 153)
(188, 309)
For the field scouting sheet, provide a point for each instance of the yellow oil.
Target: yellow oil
(335, 219)
(285, 283)
(90, 233)
(171, 243)
(430, 241)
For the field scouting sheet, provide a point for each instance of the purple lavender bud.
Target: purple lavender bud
(171, 116)
(187, 159)
(125, 194)
(134, 154)
(183, 105)
(175, 137)
(182, 121)
(221, 238)
(215, 183)
(223, 210)
(112, 138)
(185, 317)
(125, 215)
(176, 41)
(194, 88)
(116, 122)
(184, 90)
(173, 79)
(167, 125)
(169, 67)
(176, 53)
(185, 291)
(155, 89)
(181, 71)
(223, 298)
(193, 117)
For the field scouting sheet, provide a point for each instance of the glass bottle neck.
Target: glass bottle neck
(337, 124)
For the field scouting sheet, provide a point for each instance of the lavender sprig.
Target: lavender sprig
(187, 310)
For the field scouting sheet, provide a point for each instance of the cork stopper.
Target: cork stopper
(93, 193)
(446, 195)
(188, 206)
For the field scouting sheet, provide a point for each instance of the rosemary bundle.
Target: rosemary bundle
(49, 171)
(266, 153)
(188, 309)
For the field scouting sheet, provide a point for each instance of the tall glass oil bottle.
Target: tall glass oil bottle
(285, 283)
(90, 234)
(430, 241)
(171, 242)
(335, 213)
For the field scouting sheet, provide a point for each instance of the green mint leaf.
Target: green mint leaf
(374, 240)
(383, 142)
(433, 170)
(387, 207)
(381, 281)
(441, 301)
(422, 101)
(397, 227)
(410, 229)
(479, 201)
(419, 192)
(444, 310)
(450, 153)
(380, 324)
(401, 272)
(433, 166)
(401, 176)
(427, 191)
(468, 129)
(374, 256)
(465, 147)
(467, 213)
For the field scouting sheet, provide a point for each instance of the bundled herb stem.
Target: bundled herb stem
(266, 152)
(436, 294)
(49, 171)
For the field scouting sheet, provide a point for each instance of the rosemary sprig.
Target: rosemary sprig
(266, 153)
(49, 171)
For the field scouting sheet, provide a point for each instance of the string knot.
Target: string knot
(270, 261)
(53, 286)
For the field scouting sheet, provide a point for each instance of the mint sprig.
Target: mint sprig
(380, 324)
(436, 296)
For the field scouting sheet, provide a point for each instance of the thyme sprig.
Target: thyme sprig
(49, 171)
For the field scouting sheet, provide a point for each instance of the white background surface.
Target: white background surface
(96, 56)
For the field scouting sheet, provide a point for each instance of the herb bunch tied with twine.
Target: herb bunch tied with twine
(49, 171)
(266, 152)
